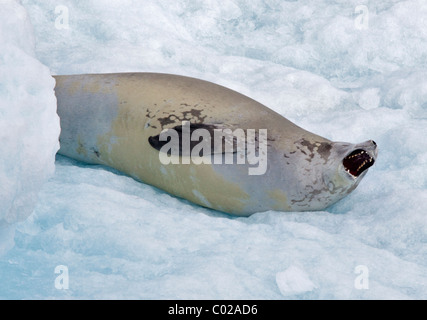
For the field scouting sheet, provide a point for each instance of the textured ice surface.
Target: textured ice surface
(343, 71)
(29, 126)
(293, 281)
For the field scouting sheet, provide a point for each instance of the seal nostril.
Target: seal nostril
(374, 143)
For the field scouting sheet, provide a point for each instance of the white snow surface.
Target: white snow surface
(346, 70)
(294, 281)
(29, 125)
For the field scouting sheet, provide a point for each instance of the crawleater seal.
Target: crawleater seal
(117, 120)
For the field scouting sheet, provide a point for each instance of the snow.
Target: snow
(346, 70)
(294, 281)
(29, 126)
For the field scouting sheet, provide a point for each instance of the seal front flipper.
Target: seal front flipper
(196, 138)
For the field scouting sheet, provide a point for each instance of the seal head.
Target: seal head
(349, 165)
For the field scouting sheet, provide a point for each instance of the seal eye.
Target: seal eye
(357, 162)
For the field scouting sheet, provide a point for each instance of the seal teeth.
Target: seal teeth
(360, 167)
(357, 162)
(356, 155)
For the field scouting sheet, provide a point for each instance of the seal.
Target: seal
(205, 143)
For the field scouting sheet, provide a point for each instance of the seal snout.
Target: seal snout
(357, 162)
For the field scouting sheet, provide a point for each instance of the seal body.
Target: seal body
(118, 120)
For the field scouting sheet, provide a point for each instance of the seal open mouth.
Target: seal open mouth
(357, 162)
